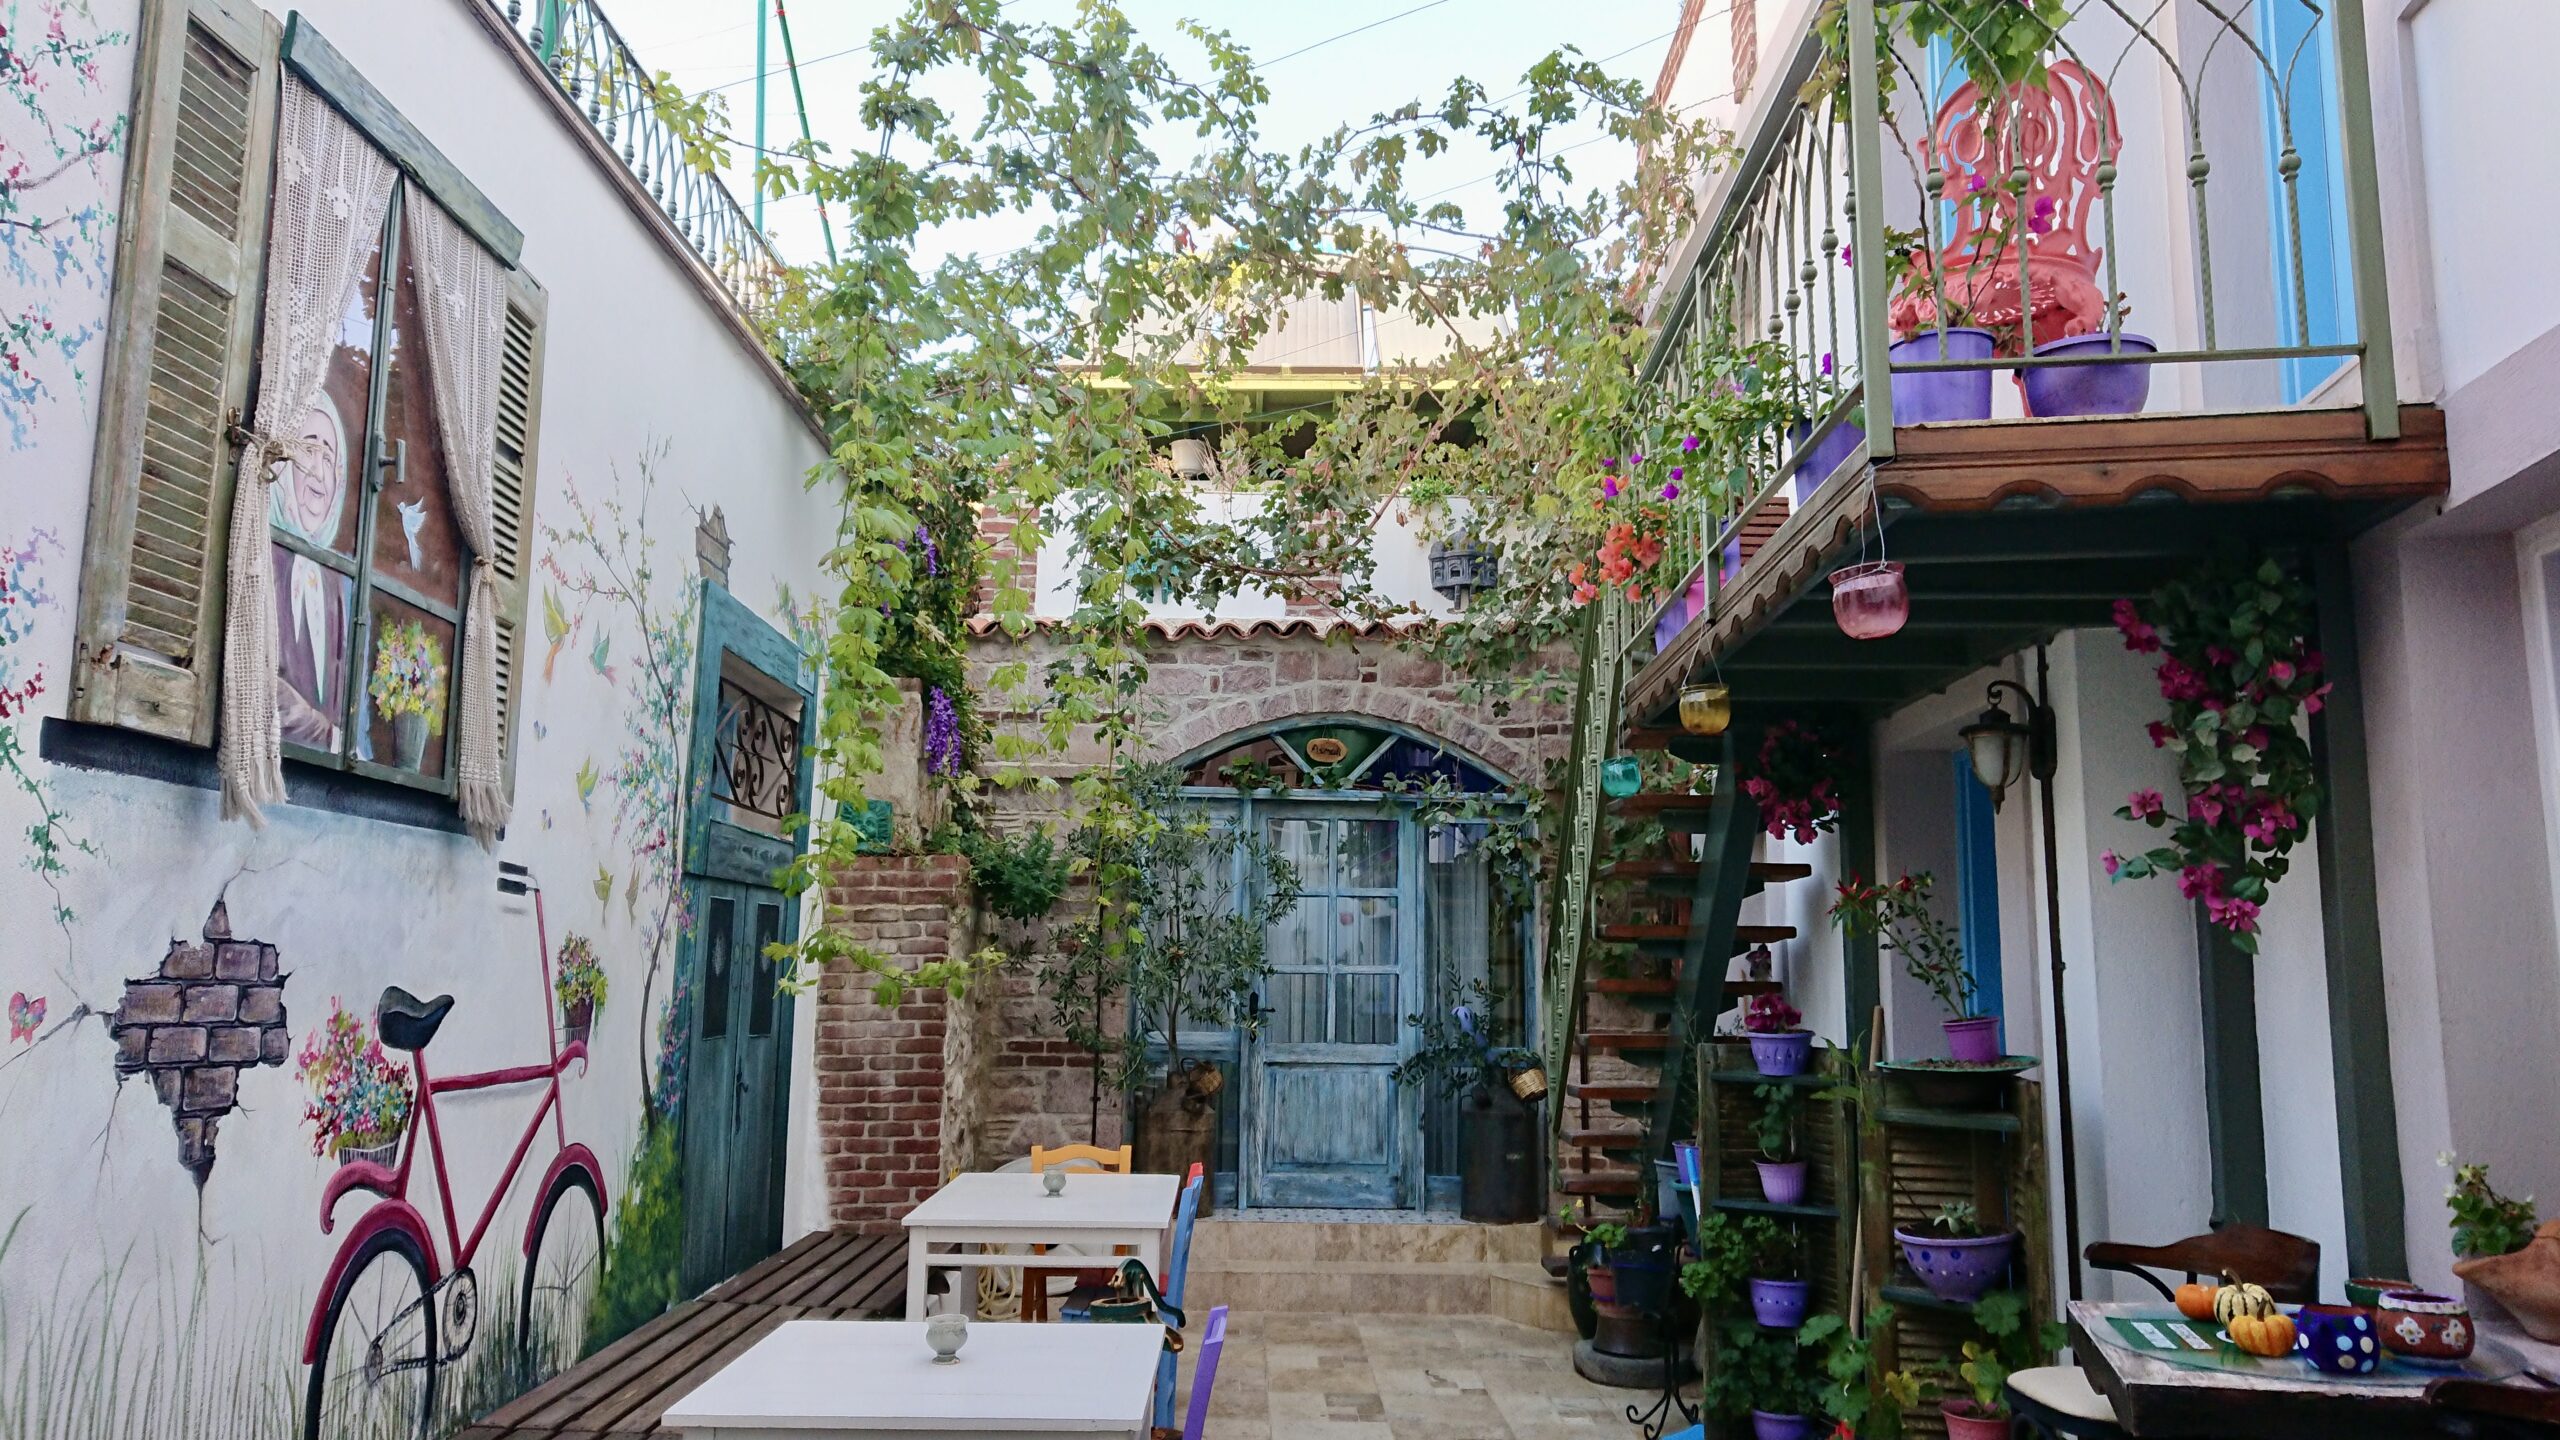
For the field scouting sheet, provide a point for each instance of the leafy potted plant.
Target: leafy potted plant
(1900, 918)
(1779, 1291)
(360, 1098)
(409, 685)
(1782, 1171)
(1178, 935)
(1933, 320)
(1867, 1403)
(1780, 1045)
(1468, 1049)
(1769, 1377)
(2011, 1341)
(2503, 1252)
(1955, 1255)
(578, 980)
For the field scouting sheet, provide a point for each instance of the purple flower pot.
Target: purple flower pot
(1782, 1181)
(1975, 1040)
(2117, 388)
(1779, 1304)
(1765, 1426)
(1960, 1271)
(1782, 1054)
(1925, 396)
(1823, 458)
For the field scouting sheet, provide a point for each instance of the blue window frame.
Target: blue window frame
(2298, 46)
(1977, 885)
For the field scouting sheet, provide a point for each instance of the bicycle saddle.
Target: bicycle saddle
(408, 1022)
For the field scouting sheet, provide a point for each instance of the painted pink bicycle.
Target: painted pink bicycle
(372, 1341)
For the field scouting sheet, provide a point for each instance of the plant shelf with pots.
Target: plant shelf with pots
(1746, 1205)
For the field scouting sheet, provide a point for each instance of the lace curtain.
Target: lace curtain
(465, 299)
(331, 191)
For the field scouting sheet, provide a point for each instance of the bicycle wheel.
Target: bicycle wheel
(560, 1277)
(376, 1375)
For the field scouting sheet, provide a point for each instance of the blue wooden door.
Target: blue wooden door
(1327, 1125)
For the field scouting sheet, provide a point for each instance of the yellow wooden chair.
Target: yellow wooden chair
(1035, 1283)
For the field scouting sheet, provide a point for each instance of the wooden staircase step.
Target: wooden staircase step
(1616, 1090)
(1604, 1139)
(1602, 1182)
(1767, 872)
(1626, 1039)
(1676, 937)
(1696, 749)
(1607, 986)
(1685, 814)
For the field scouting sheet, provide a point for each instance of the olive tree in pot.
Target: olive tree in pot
(1176, 934)
(1469, 1050)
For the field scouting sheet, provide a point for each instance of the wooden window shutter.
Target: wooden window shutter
(190, 261)
(512, 494)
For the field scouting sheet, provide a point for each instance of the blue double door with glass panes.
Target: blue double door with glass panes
(1325, 1122)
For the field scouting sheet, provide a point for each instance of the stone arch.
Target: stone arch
(1509, 779)
(1424, 705)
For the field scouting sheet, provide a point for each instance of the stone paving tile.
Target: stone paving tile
(1397, 1377)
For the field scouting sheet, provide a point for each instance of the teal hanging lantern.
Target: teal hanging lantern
(1621, 777)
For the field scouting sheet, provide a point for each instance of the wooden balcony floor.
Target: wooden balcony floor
(619, 1392)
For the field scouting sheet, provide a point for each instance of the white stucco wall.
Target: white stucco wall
(641, 378)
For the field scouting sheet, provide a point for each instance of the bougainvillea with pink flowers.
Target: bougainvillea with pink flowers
(1795, 781)
(2240, 676)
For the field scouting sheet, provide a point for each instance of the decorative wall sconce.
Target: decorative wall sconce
(2006, 750)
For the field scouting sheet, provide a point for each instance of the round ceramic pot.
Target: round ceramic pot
(1871, 601)
(2367, 1294)
(1960, 1271)
(1782, 1054)
(1779, 1304)
(1765, 1426)
(1782, 1181)
(1966, 1423)
(2116, 387)
(1643, 1283)
(2338, 1339)
(1927, 396)
(946, 1333)
(1600, 1279)
(1817, 463)
(1975, 1040)
(2422, 1325)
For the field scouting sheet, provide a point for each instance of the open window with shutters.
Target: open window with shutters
(365, 545)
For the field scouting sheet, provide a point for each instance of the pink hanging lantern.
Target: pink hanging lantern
(1871, 601)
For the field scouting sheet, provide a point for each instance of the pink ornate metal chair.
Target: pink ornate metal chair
(2061, 132)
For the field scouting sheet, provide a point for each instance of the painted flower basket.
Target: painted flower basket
(578, 982)
(409, 685)
(382, 1150)
(360, 1098)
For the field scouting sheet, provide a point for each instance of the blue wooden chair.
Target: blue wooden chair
(1203, 1381)
(1177, 1266)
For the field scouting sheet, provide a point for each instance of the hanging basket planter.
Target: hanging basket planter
(1706, 709)
(1872, 600)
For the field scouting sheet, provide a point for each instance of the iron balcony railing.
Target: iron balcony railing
(597, 70)
(2179, 196)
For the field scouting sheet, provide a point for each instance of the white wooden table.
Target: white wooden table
(1007, 1213)
(876, 1380)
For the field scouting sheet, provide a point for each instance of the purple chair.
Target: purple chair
(1203, 1381)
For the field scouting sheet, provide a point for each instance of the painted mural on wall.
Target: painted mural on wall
(62, 122)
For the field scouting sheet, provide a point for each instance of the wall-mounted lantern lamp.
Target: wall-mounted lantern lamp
(2006, 750)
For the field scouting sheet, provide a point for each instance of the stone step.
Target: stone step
(1518, 1291)
(1302, 1242)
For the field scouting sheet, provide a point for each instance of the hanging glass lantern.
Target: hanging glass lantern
(1621, 776)
(1705, 709)
(1870, 601)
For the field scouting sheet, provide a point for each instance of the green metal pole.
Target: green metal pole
(2380, 374)
(1866, 226)
(800, 101)
(758, 158)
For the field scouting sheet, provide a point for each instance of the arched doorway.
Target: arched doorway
(1391, 833)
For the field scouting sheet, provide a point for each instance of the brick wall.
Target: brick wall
(895, 1083)
(209, 1012)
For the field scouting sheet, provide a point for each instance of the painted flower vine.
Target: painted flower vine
(2241, 678)
(59, 120)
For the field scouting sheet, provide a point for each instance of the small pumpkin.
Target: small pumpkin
(2195, 1300)
(2242, 1298)
(2270, 1335)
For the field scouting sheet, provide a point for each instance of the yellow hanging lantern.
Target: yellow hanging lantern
(1705, 709)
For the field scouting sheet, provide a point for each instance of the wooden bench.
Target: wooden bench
(619, 1392)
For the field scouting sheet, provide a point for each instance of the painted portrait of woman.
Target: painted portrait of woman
(307, 501)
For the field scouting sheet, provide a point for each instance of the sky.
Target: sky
(1327, 61)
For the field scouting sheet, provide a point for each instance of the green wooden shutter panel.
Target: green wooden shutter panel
(511, 494)
(190, 257)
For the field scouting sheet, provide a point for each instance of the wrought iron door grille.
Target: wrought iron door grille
(759, 753)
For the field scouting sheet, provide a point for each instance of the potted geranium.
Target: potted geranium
(360, 1098)
(1796, 783)
(1779, 1290)
(1900, 918)
(1771, 1377)
(1782, 1170)
(2503, 1252)
(1780, 1045)
(410, 681)
(2011, 1341)
(578, 980)
(1955, 1254)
